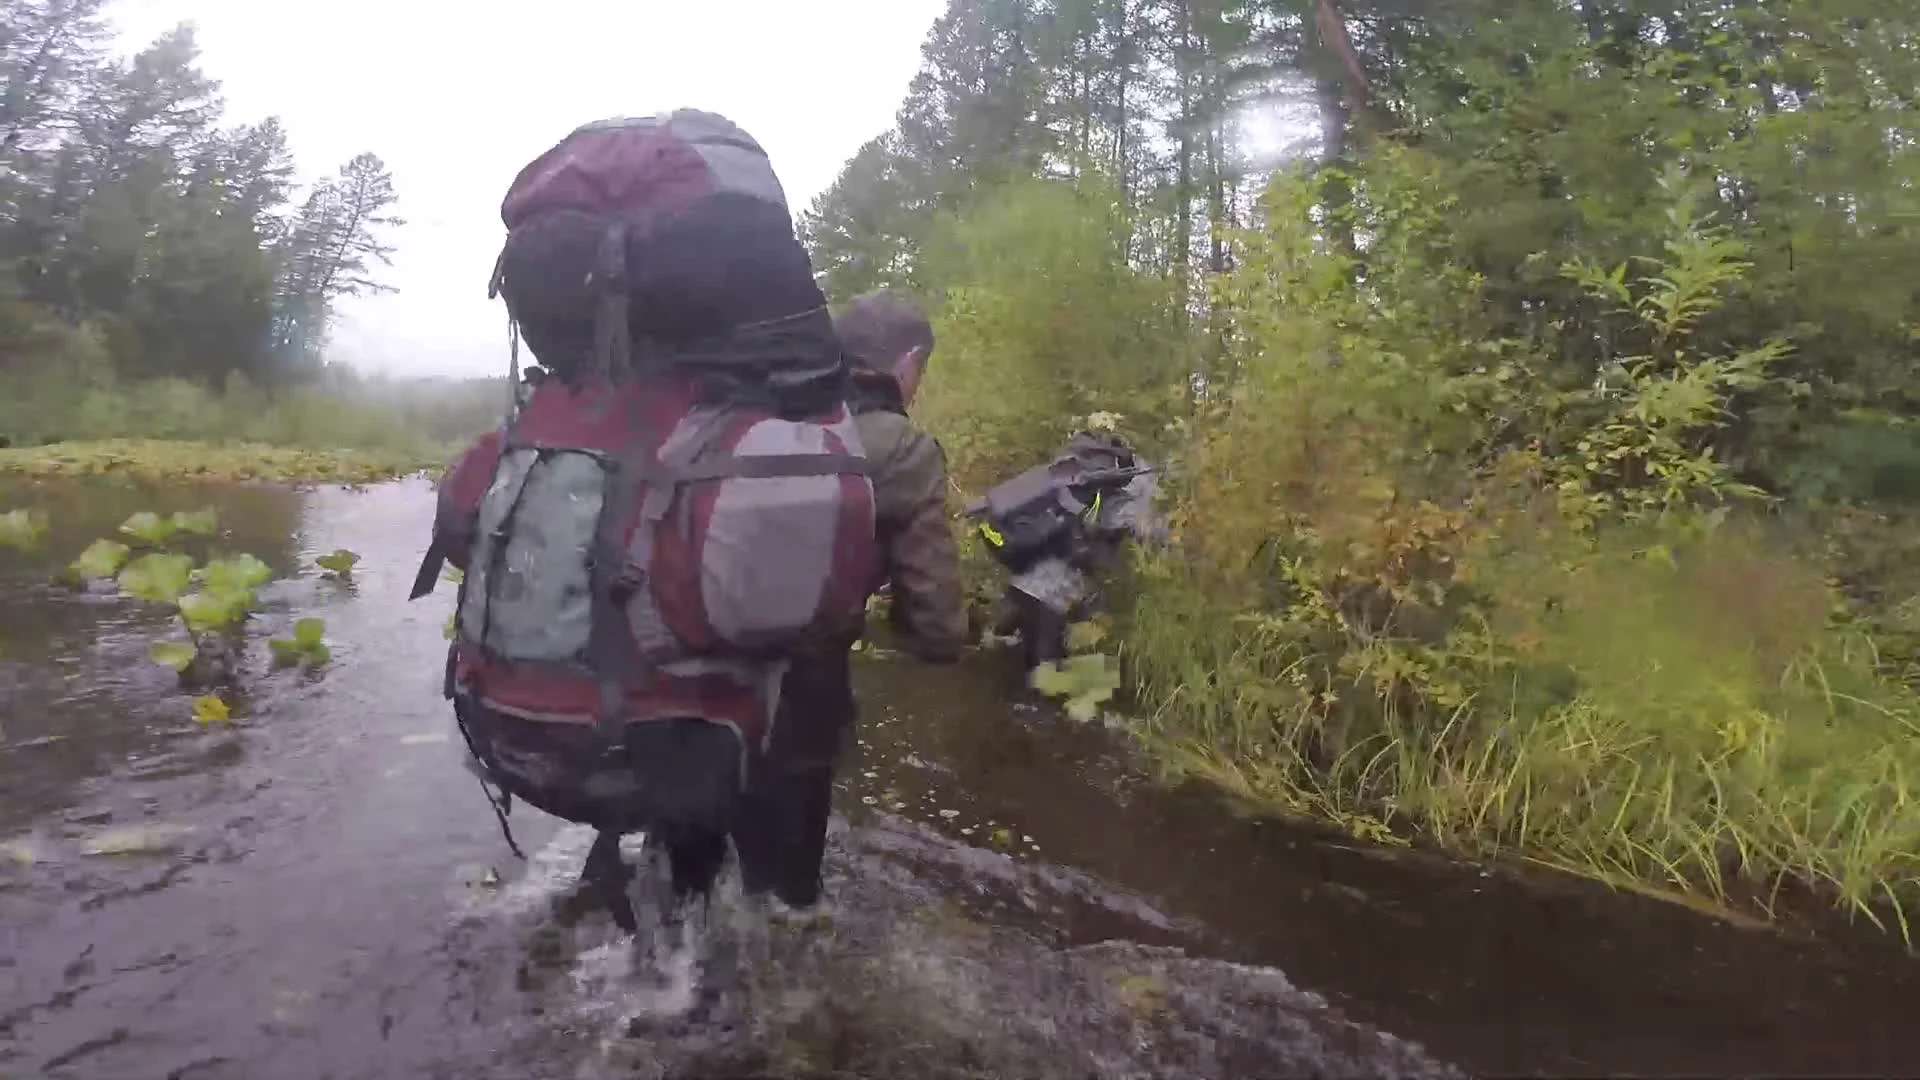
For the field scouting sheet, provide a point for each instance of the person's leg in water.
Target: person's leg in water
(781, 833)
(686, 782)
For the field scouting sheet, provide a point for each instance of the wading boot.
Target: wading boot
(608, 875)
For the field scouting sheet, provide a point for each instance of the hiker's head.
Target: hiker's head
(886, 332)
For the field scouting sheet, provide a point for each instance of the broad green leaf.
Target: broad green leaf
(101, 559)
(202, 522)
(159, 578)
(177, 655)
(452, 629)
(149, 528)
(240, 572)
(209, 709)
(454, 574)
(339, 563)
(1083, 683)
(286, 651)
(309, 632)
(317, 655)
(22, 529)
(1051, 679)
(208, 610)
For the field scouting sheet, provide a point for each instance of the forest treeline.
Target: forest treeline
(1540, 380)
(162, 274)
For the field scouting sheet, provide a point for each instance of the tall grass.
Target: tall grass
(1619, 739)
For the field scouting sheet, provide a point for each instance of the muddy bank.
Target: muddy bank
(322, 892)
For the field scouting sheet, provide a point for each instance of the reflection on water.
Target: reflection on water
(322, 891)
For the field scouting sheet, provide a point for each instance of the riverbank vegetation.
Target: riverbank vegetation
(1539, 381)
(162, 274)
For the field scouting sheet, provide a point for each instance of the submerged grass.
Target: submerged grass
(163, 460)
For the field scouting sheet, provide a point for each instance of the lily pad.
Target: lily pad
(149, 528)
(1083, 683)
(242, 572)
(338, 563)
(22, 529)
(177, 655)
(208, 610)
(101, 559)
(307, 645)
(202, 522)
(158, 578)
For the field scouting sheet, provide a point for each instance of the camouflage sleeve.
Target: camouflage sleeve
(910, 490)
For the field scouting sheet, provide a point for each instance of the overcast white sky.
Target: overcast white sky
(456, 95)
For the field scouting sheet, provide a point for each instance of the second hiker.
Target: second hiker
(889, 341)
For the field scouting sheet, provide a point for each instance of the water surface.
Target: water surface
(322, 892)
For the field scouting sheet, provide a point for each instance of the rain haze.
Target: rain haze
(455, 97)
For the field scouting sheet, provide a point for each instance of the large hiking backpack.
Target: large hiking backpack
(650, 539)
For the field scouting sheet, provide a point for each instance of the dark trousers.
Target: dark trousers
(780, 832)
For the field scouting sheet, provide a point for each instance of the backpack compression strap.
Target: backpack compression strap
(612, 338)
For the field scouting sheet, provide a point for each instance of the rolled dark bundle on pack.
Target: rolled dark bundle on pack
(695, 243)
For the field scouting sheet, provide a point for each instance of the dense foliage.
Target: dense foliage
(1540, 379)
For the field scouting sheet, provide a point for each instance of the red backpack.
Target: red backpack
(653, 538)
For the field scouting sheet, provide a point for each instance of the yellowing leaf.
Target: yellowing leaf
(210, 709)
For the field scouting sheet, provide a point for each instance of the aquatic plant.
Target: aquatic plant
(178, 655)
(307, 646)
(211, 709)
(22, 529)
(100, 560)
(338, 564)
(211, 601)
(1083, 683)
(158, 578)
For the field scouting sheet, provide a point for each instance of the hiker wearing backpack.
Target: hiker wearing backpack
(888, 340)
(680, 505)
